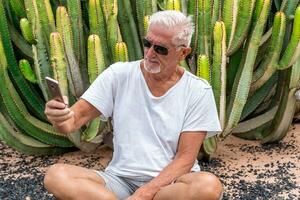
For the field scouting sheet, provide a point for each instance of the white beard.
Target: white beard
(153, 69)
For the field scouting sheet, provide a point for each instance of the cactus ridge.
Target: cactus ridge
(215, 12)
(244, 15)
(203, 70)
(121, 52)
(292, 51)
(146, 23)
(75, 14)
(74, 75)
(204, 28)
(229, 13)
(140, 14)
(18, 7)
(259, 96)
(173, 5)
(113, 31)
(268, 66)
(98, 26)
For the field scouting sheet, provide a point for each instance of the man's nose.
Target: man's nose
(150, 53)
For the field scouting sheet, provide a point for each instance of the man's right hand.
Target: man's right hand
(58, 113)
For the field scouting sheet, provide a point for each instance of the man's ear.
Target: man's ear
(184, 52)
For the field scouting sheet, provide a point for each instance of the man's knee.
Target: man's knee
(56, 174)
(192, 186)
(205, 185)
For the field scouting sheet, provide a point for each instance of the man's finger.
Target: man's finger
(56, 112)
(54, 104)
(66, 100)
(61, 119)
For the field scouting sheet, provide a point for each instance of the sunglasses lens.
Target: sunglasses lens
(161, 50)
(157, 48)
(147, 43)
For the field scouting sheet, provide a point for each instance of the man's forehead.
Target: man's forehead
(160, 35)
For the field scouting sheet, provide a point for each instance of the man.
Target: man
(161, 115)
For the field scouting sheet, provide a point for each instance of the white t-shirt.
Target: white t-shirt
(147, 128)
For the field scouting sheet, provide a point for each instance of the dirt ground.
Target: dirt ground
(247, 169)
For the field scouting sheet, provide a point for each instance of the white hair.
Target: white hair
(171, 19)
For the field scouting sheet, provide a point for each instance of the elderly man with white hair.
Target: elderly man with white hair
(161, 115)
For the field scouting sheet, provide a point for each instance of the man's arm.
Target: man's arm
(67, 120)
(188, 148)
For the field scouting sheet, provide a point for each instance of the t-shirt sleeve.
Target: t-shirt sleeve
(202, 114)
(101, 93)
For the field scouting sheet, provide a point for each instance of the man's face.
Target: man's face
(159, 51)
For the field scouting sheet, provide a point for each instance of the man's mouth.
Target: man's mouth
(152, 61)
(152, 66)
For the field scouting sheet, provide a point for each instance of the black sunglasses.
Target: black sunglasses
(157, 48)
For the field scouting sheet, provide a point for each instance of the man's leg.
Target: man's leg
(73, 182)
(192, 186)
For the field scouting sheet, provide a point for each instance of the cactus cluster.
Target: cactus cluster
(249, 51)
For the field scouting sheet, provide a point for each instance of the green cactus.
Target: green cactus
(243, 22)
(30, 96)
(64, 28)
(203, 69)
(218, 79)
(98, 26)
(27, 71)
(204, 28)
(244, 76)
(27, 31)
(292, 51)
(19, 114)
(79, 40)
(268, 66)
(96, 63)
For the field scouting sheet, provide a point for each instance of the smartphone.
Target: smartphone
(54, 89)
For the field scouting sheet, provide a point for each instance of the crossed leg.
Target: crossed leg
(192, 186)
(72, 182)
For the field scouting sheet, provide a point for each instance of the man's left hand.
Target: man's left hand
(142, 194)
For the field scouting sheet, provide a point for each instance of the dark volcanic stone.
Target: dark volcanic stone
(235, 180)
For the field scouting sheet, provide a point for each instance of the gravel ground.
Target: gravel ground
(247, 169)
